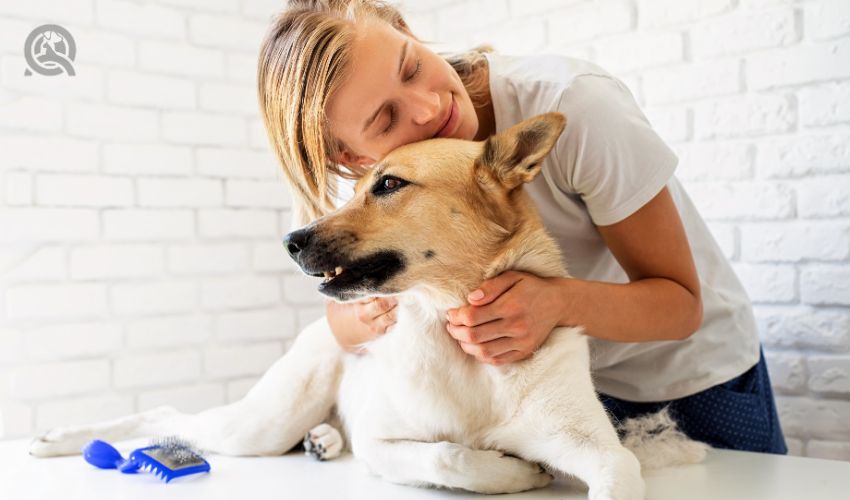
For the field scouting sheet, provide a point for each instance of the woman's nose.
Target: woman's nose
(426, 107)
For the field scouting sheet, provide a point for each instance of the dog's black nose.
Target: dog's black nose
(296, 241)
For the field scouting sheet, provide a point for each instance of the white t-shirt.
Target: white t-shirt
(606, 165)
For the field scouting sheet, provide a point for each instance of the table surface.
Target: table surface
(726, 475)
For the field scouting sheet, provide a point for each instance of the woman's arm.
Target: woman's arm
(357, 322)
(517, 311)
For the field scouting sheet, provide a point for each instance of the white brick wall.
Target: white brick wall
(141, 213)
(141, 210)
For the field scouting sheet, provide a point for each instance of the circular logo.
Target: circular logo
(50, 50)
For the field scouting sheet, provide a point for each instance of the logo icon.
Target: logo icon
(50, 50)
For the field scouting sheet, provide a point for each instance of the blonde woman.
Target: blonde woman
(343, 82)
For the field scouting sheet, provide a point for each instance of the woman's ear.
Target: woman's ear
(350, 159)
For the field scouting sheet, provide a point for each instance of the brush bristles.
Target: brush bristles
(180, 451)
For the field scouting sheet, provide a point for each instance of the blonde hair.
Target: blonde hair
(303, 60)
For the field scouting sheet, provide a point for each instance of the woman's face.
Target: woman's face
(398, 91)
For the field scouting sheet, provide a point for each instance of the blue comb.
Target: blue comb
(168, 458)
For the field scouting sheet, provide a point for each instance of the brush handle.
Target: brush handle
(104, 456)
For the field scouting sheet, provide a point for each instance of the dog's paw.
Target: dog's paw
(323, 442)
(515, 474)
(59, 442)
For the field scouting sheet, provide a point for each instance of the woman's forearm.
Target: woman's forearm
(640, 311)
(346, 327)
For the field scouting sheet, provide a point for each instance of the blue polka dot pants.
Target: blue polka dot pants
(739, 414)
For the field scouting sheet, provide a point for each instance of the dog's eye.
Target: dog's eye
(387, 184)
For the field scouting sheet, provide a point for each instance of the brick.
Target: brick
(60, 379)
(215, 5)
(828, 449)
(240, 360)
(250, 193)
(656, 13)
(249, 291)
(32, 113)
(56, 301)
(795, 241)
(517, 36)
(13, 32)
(16, 420)
(823, 105)
(768, 283)
(827, 19)
(208, 258)
(715, 160)
(273, 257)
(463, 16)
(744, 116)
(81, 411)
(148, 224)
(203, 128)
(590, 21)
(225, 31)
(48, 153)
(39, 264)
(141, 89)
(752, 200)
(635, 51)
(258, 138)
(147, 159)
(691, 81)
(109, 262)
(738, 33)
(189, 399)
(237, 163)
(157, 369)
(104, 48)
(825, 285)
(189, 192)
(237, 223)
(11, 345)
(180, 59)
(141, 19)
(153, 298)
(46, 224)
(823, 419)
(72, 11)
(112, 122)
(798, 65)
(672, 123)
(86, 84)
(307, 315)
(237, 389)
(517, 7)
(229, 98)
(803, 155)
(242, 68)
(72, 190)
(787, 372)
(829, 373)
(168, 331)
(19, 188)
(803, 327)
(301, 289)
(824, 196)
(262, 324)
(66, 341)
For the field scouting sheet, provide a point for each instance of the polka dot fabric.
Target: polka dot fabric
(739, 414)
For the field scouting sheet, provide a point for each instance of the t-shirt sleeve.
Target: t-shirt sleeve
(609, 154)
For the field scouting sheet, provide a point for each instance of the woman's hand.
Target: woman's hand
(377, 313)
(509, 316)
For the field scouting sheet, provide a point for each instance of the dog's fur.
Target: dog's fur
(416, 408)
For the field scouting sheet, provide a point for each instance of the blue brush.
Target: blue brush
(167, 458)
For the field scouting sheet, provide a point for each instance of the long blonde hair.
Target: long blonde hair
(303, 60)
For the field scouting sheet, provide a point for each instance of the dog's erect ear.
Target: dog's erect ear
(514, 156)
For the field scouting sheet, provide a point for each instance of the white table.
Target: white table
(725, 475)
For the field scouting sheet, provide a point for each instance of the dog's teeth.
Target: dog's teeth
(338, 270)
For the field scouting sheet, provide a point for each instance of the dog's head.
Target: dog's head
(430, 213)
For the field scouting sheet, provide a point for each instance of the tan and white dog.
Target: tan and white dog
(428, 224)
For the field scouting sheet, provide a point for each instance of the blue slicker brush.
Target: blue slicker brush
(167, 458)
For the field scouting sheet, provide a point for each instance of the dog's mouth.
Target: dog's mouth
(366, 273)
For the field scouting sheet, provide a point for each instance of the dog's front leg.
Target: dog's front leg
(294, 395)
(449, 465)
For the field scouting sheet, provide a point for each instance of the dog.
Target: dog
(430, 222)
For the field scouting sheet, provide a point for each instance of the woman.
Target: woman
(343, 82)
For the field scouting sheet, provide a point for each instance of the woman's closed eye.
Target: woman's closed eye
(392, 110)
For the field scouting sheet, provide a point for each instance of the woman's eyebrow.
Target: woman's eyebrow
(400, 66)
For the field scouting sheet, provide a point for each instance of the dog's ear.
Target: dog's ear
(514, 156)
